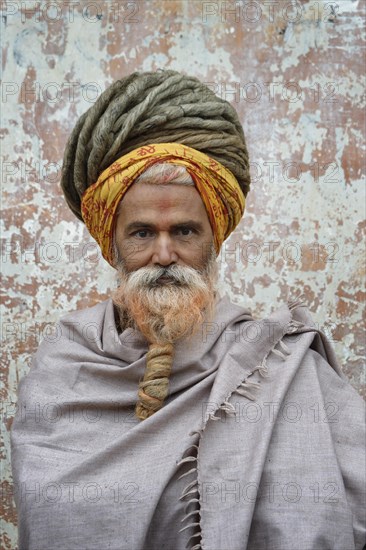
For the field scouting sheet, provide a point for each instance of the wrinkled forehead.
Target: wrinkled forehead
(161, 205)
(162, 174)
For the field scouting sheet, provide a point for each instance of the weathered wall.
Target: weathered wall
(293, 74)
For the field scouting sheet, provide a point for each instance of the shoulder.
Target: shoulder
(293, 334)
(76, 323)
(318, 353)
(86, 314)
(77, 329)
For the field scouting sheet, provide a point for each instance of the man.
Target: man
(167, 417)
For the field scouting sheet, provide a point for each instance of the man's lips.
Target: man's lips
(165, 279)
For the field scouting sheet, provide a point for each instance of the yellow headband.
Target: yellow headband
(219, 189)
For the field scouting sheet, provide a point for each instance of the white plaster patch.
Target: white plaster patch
(152, 61)
(192, 46)
(309, 33)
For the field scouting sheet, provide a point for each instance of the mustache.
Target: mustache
(149, 276)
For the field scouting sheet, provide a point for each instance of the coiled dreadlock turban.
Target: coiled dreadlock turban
(149, 117)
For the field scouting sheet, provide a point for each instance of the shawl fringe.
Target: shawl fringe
(248, 389)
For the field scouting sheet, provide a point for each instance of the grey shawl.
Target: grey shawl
(259, 445)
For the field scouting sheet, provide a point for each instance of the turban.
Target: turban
(150, 108)
(220, 192)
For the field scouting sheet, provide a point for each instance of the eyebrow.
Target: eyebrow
(145, 225)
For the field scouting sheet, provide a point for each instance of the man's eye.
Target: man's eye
(186, 231)
(142, 233)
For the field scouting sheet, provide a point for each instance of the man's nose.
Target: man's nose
(164, 253)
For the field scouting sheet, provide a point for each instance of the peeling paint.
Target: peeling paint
(298, 87)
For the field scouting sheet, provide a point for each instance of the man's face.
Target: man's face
(167, 261)
(163, 225)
